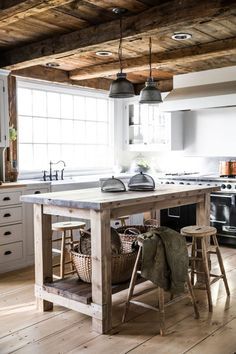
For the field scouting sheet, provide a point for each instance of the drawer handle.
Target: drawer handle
(7, 233)
(7, 215)
(6, 199)
(7, 253)
(37, 192)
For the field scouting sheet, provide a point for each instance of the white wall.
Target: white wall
(210, 132)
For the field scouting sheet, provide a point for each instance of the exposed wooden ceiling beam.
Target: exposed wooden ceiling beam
(22, 9)
(191, 54)
(43, 73)
(171, 16)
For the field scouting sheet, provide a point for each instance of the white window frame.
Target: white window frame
(86, 92)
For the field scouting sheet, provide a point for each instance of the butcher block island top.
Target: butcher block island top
(95, 299)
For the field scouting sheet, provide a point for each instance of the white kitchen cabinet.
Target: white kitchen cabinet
(12, 240)
(147, 128)
(4, 113)
(29, 221)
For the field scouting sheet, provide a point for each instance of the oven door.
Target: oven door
(223, 216)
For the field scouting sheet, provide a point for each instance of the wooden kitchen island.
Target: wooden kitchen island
(99, 208)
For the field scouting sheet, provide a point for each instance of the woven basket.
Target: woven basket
(121, 264)
(130, 233)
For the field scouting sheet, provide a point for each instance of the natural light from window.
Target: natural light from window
(57, 123)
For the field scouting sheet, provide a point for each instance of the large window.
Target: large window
(60, 123)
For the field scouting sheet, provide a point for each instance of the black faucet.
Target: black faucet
(56, 172)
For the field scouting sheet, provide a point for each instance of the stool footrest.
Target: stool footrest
(58, 264)
(215, 279)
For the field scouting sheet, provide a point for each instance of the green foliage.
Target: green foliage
(12, 133)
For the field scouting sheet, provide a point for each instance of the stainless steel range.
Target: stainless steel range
(223, 204)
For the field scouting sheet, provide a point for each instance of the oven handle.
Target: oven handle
(218, 221)
(232, 197)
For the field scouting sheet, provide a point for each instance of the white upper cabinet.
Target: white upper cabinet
(147, 128)
(4, 113)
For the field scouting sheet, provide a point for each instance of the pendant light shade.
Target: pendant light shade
(121, 87)
(150, 93)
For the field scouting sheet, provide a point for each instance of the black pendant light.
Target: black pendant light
(121, 87)
(150, 93)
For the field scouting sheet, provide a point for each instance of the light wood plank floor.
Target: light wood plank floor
(24, 330)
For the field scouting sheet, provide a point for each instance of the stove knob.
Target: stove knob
(223, 186)
(199, 184)
(181, 182)
(188, 183)
(208, 184)
(229, 186)
(172, 182)
(167, 182)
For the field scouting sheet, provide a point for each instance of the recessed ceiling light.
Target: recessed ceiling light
(103, 53)
(181, 36)
(52, 65)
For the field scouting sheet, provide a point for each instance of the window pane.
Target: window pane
(79, 156)
(26, 157)
(91, 108)
(91, 133)
(54, 103)
(102, 133)
(79, 133)
(54, 130)
(67, 154)
(54, 153)
(102, 109)
(66, 106)
(40, 156)
(40, 130)
(67, 131)
(25, 129)
(79, 107)
(39, 103)
(24, 101)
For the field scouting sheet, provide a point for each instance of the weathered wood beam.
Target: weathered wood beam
(188, 55)
(22, 9)
(171, 16)
(60, 76)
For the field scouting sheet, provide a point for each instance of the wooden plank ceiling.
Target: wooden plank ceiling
(68, 33)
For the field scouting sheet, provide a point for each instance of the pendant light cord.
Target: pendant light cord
(150, 57)
(120, 46)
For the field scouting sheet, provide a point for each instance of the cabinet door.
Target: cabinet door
(29, 221)
(149, 129)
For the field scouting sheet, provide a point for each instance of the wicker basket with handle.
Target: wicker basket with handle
(121, 264)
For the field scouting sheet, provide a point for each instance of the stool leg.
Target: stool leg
(132, 285)
(72, 268)
(192, 296)
(62, 262)
(221, 264)
(206, 273)
(161, 310)
(193, 263)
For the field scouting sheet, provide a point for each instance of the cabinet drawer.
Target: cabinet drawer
(10, 233)
(11, 252)
(8, 215)
(9, 198)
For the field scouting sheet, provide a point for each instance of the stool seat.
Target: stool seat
(68, 225)
(66, 240)
(198, 231)
(201, 238)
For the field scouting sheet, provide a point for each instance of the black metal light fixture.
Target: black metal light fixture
(121, 87)
(150, 93)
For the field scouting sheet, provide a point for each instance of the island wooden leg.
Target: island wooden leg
(43, 254)
(202, 218)
(101, 271)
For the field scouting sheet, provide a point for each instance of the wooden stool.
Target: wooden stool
(161, 304)
(123, 219)
(201, 238)
(65, 240)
